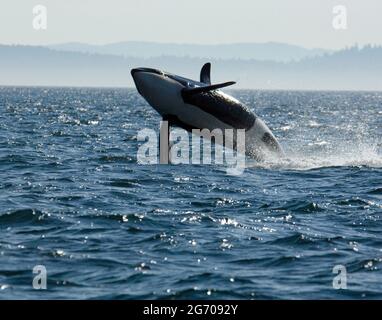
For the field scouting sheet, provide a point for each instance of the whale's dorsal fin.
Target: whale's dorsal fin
(205, 73)
(191, 91)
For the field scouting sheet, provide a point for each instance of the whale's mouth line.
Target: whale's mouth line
(182, 80)
(148, 70)
(144, 70)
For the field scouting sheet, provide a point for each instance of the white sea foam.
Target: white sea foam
(325, 155)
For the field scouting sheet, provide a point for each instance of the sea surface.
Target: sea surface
(74, 199)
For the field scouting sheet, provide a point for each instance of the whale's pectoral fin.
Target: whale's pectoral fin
(164, 141)
(165, 144)
(191, 91)
(170, 119)
(205, 73)
(174, 121)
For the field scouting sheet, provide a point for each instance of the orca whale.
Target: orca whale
(191, 104)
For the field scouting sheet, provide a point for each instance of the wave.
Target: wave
(21, 216)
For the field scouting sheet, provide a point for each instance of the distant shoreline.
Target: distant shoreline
(352, 69)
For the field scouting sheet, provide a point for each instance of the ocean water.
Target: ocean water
(74, 199)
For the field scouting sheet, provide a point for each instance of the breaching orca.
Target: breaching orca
(194, 104)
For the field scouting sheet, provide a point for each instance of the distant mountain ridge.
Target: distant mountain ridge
(349, 69)
(271, 51)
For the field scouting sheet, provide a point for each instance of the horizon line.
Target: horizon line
(47, 44)
(133, 88)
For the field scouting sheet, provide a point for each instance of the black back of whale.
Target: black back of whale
(229, 111)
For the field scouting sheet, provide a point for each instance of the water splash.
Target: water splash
(346, 156)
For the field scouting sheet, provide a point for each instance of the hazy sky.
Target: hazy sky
(303, 22)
